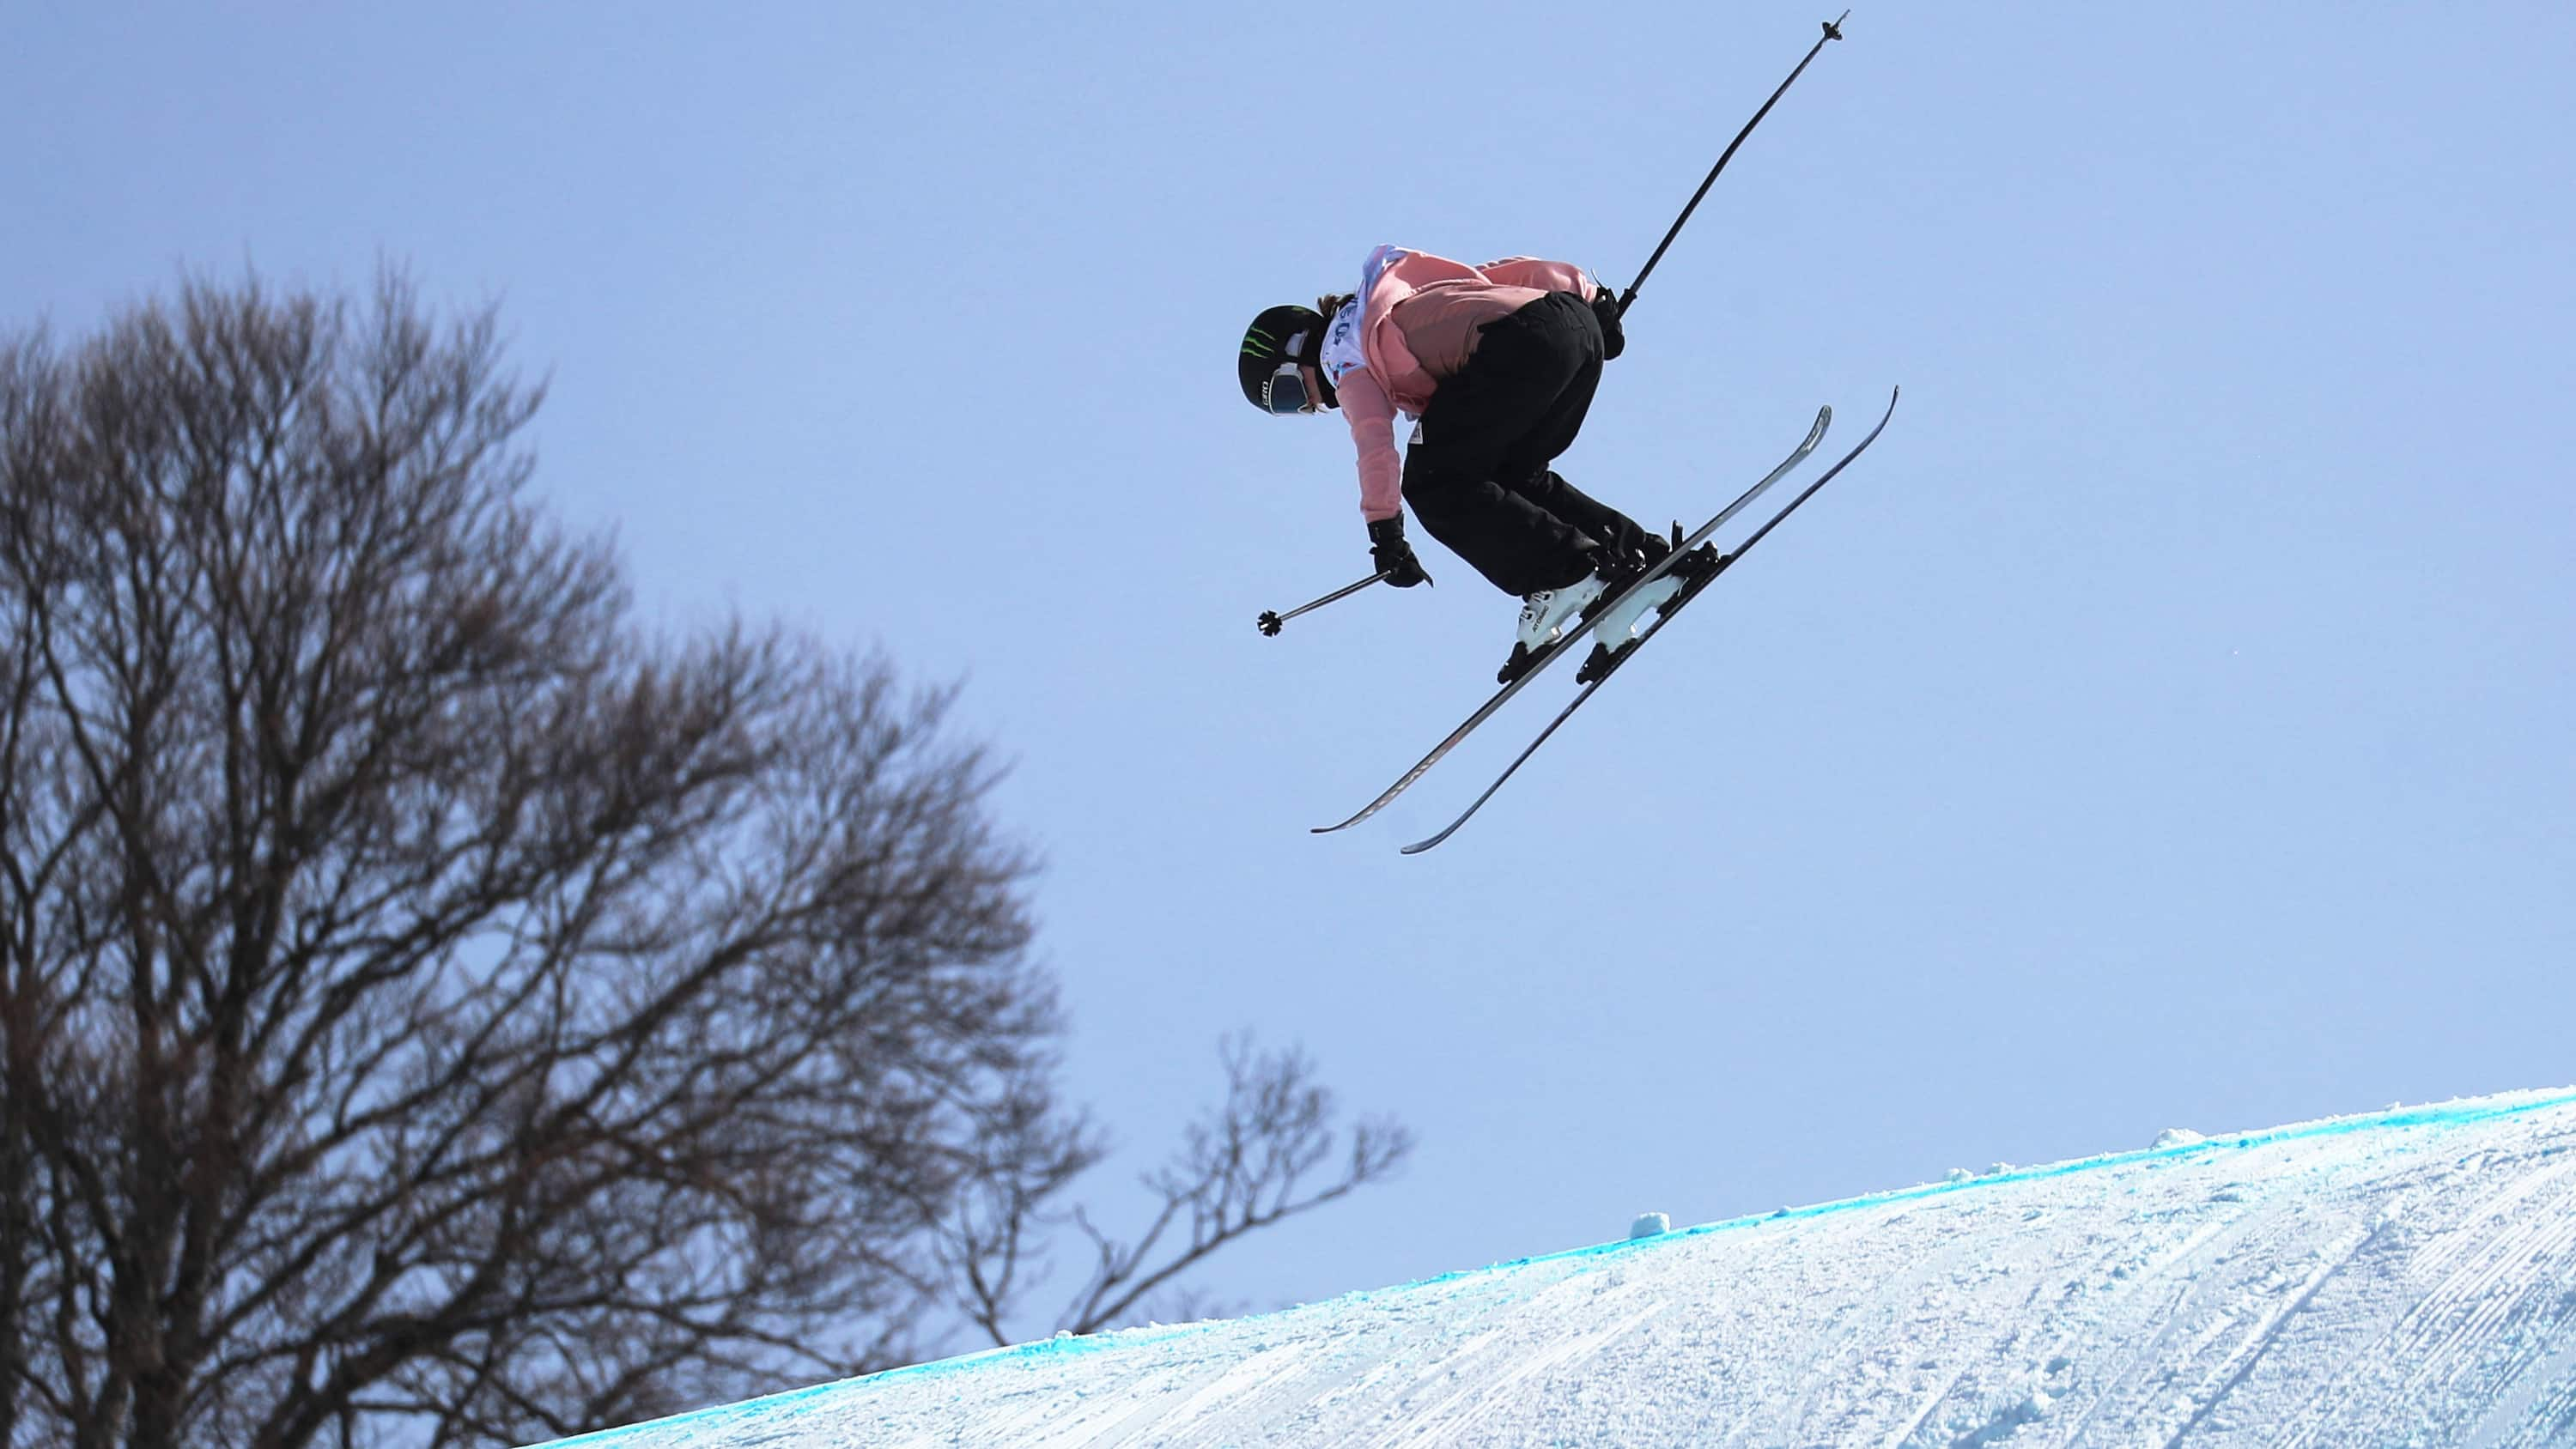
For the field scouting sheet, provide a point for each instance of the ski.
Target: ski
(1576, 632)
(1662, 617)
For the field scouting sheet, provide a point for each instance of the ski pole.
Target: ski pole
(1833, 31)
(1271, 621)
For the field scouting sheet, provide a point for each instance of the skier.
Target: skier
(1497, 364)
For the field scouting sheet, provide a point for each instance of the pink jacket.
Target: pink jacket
(1374, 369)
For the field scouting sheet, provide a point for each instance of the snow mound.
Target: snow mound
(2402, 1278)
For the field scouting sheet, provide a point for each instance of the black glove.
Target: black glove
(1392, 555)
(1605, 305)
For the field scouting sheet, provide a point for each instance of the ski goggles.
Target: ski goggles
(1285, 393)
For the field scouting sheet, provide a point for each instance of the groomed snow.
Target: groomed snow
(2407, 1277)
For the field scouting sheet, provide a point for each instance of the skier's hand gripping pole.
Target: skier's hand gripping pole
(1395, 565)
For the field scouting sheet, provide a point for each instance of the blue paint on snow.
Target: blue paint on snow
(797, 1401)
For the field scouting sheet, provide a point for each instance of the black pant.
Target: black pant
(1477, 474)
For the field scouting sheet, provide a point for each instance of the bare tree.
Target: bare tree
(1248, 1164)
(432, 1011)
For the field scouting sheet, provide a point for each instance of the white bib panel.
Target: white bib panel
(1342, 342)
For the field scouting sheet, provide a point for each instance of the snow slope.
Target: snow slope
(2402, 1278)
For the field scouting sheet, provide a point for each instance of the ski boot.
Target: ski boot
(1544, 615)
(1616, 635)
(1619, 567)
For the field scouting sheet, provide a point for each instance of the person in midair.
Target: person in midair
(1497, 365)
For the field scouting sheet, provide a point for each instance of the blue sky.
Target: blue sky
(2168, 723)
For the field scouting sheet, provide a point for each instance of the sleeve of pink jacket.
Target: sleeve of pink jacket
(1371, 414)
(1546, 276)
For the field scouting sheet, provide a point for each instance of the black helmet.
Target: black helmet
(1282, 335)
